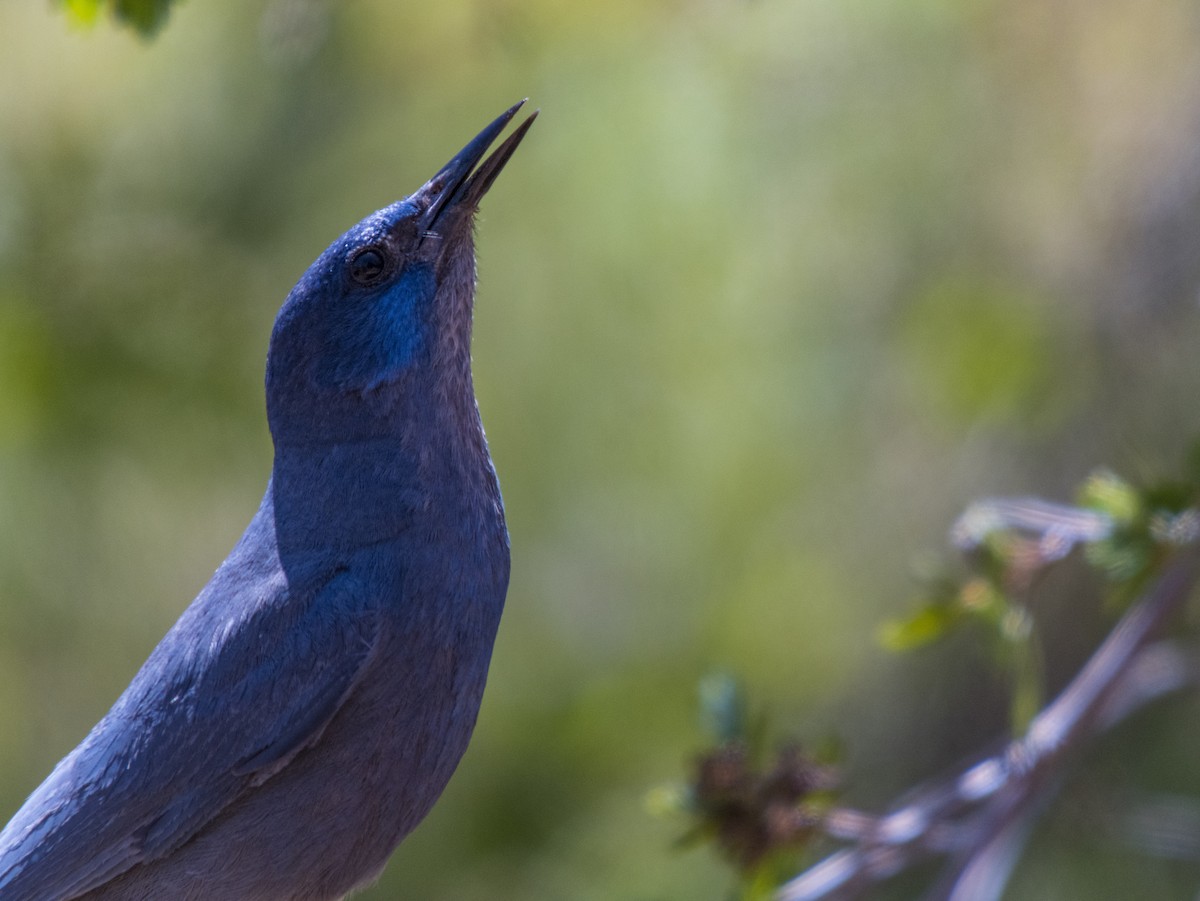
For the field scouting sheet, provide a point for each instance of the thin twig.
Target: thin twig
(981, 817)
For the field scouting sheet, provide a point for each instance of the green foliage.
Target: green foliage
(720, 421)
(144, 16)
(1126, 532)
(944, 606)
(1149, 523)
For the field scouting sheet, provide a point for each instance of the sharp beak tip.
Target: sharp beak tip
(461, 179)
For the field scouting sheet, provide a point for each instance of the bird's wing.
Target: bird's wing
(248, 678)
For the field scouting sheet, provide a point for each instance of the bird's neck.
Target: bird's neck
(372, 489)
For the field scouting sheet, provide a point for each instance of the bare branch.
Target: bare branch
(980, 818)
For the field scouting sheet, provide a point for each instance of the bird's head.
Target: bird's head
(382, 320)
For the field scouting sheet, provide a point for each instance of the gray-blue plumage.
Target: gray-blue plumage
(308, 708)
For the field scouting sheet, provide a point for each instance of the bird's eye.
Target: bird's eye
(368, 265)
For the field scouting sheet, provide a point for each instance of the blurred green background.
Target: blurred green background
(771, 291)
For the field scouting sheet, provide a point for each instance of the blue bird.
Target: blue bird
(308, 708)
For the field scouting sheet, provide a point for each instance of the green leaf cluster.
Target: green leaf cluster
(144, 16)
(1126, 532)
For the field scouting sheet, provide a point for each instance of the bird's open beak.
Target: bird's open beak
(456, 186)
